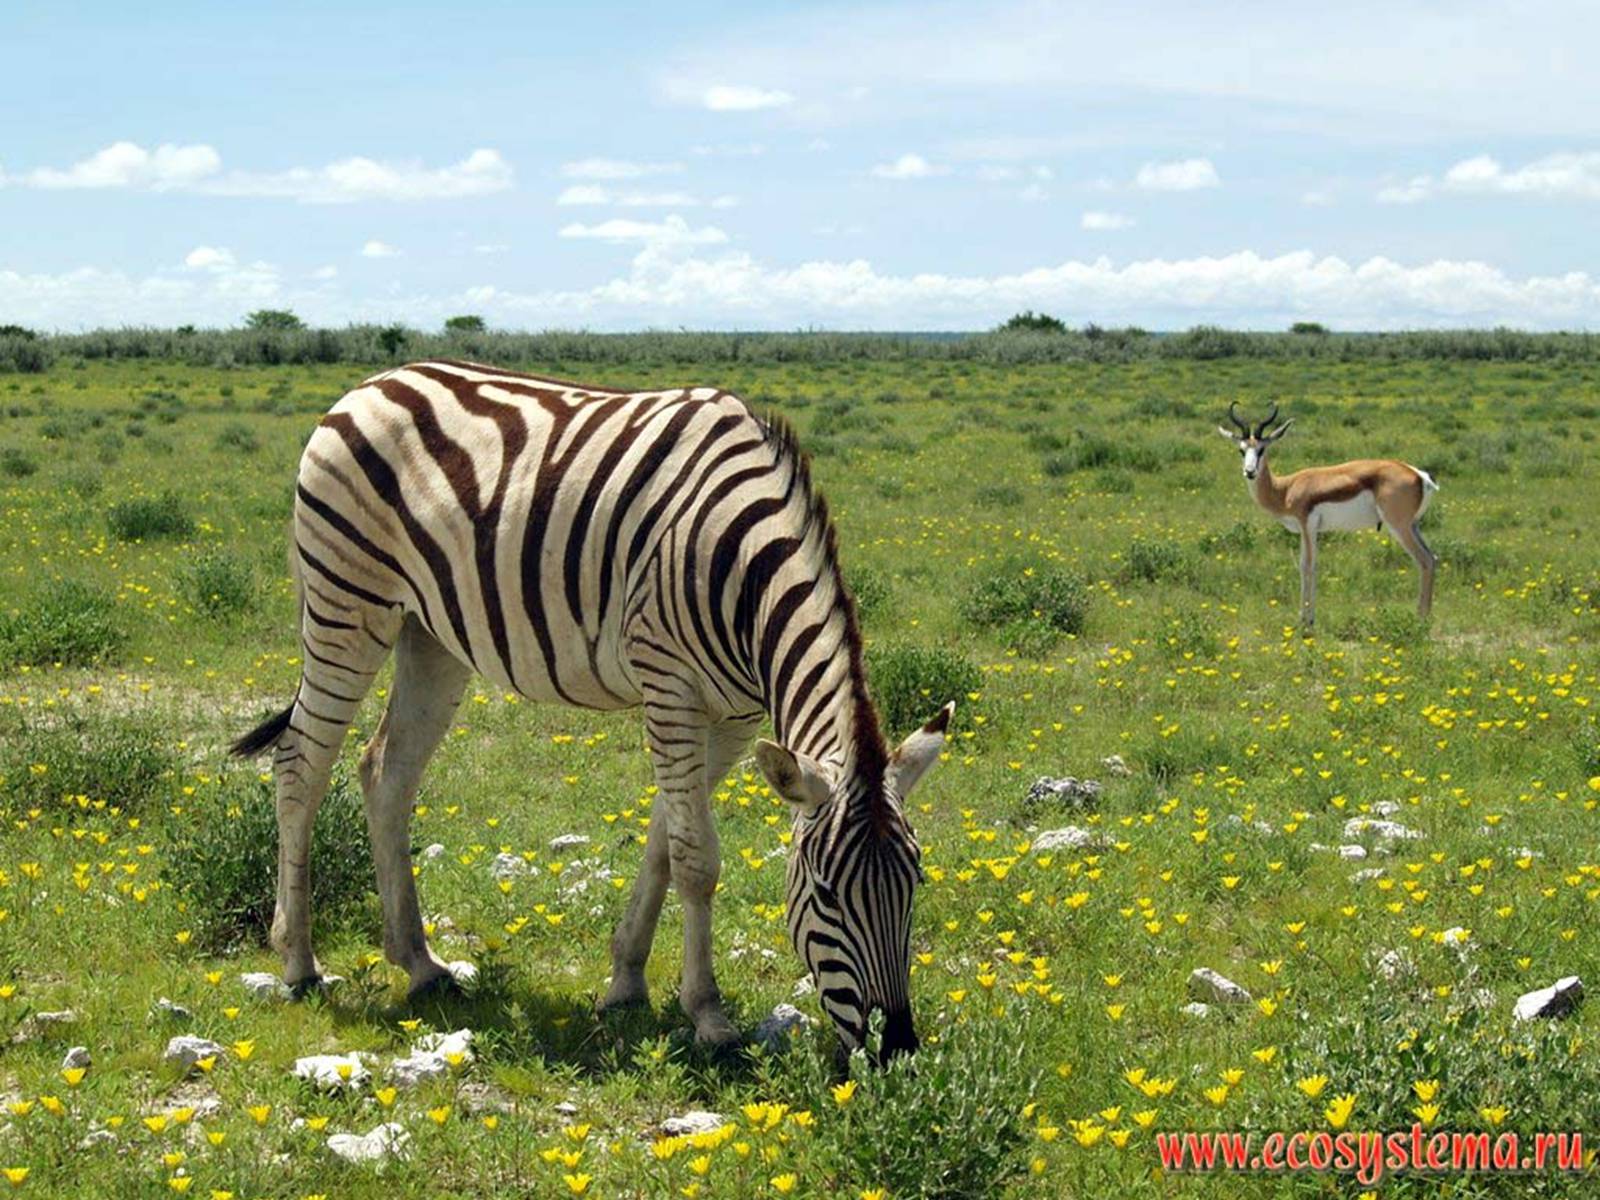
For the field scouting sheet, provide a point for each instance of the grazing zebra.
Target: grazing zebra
(603, 549)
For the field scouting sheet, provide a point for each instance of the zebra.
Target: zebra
(603, 549)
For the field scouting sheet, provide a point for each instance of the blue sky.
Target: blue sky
(850, 166)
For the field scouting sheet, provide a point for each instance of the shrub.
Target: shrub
(998, 495)
(218, 583)
(469, 323)
(910, 683)
(222, 857)
(1153, 559)
(17, 462)
(149, 517)
(236, 435)
(1032, 322)
(67, 622)
(1011, 592)
(873, 594)
(1241, 535)
(125, 761)
(279, 320)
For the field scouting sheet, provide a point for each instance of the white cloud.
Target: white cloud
(725, 202)
(1317, 198)
(1556, 176)
(725, 97)
(209, 258)
(1185, 175)
(1414, 189)
(594, 195)
(673, 231)
(907, 166)
(325, 273)
(376, 249)
(616, 168)
(1032, 194)
(1105, 220)
(199, 169)
(744, 150)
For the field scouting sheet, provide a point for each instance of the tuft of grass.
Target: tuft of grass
(1153, 559)
(1045, 593)
(236, 435)
(69, 622)
(17, 463)
(874, 594)
(218, 583)
(911, 683)
(146, 517)
(126, 761)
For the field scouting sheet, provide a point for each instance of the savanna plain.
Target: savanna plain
(1385, 832)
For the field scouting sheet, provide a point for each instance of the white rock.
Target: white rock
(690, 1123)
(97, 1137)
(1115, 767)
(568, 841)
(1206, 984)
(185, 1050)
(803, 987)
(1067, 791)
(1557, 1000)
(1459, 940)
(775, 1027)
(463, 972)
(431, 852)
(1383, 831)
(1395, 965)
(387, 1140)
(567, 1108)
(1367, 874)
(77, 1058)
(171, 1011)
(1385, 808)
(510, 866)
(335, 1072)
(430, 1058)
(264, 985)
(1352, 851)
(1196, 1008)
(1235, 821)
(1068, 837)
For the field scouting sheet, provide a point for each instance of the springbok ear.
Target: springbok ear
(796, 778)
(1280, 430)
(920, 751)
(1229, 434)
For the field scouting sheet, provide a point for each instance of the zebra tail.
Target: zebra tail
(266, 734)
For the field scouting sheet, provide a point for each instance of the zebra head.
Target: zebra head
(853, 867)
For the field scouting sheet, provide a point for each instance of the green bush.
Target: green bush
(911, 683)
(236, 435)
(1154, 559)
(68, 622)
(873, 593)
(125, 761)
(218, 583)
(17, 463)
(1241, 535)
(222, 858)
(149, 517)
(1011, 592)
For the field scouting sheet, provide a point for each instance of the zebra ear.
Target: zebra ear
(920, 751)
(795, 777)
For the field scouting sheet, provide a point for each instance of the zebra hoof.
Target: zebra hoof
(439, 988)
(301, 988)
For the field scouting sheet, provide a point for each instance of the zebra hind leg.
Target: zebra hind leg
(341, 660)
(428, 685)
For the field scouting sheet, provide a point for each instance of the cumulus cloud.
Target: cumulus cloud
(671, 282)
(616, 168)
(907, 166)
(1184, 175)
(172, 168)
(673, 231)
(1566, 176)
(1105, 221)
(209, 258)
(376, 249)
(595, 195)
(725, 97)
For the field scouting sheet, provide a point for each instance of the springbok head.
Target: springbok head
(1253, 444)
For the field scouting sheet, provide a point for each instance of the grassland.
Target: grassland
(146, 617)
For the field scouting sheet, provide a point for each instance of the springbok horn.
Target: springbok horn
(1271, 417)
(1234, 417)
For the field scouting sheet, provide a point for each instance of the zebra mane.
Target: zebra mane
(868, 750)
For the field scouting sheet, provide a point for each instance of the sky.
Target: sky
(905, 166)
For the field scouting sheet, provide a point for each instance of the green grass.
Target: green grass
(1043, 980)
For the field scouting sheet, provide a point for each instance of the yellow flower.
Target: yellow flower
(243, 1050)
(17, 1176)
(181, 1183)
(1339, 1111)
(1493, 1114)
(1426, 1113)
(577, 1184)
(784, 1184)
(1426, 1089)
(259, 1113)
(844, 1092)
(439, 1115)
(385, 1096)
(1312, 1086)
(1218, 1095)
(52, 1105)
(875, 1194)
(1088, 1133)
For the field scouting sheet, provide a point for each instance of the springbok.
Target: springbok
(1366, 493)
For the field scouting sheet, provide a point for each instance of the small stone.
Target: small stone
(690, 1123)
(1114, 766)
(1383, 831)
(436, 850)
(1459, 940)
(77, 1059)
(335, 1072)
(1066, 792)
(567, 1108)
(45, 1024)
(1068, 837)
(569, 841)
(97, 1137)
(1352, 851)
(1367, 874)
(1560, 998)
(774, 1030)
(1385, 808)
(1235, 821)
(803, 987)
(1395, 965)
(168, 1010)
(264, 985)
(1196, 1008)
(430, 1058)
(1206, 984)
(509, 866)
(387, 1140)
(463, 972)
(185, 1050)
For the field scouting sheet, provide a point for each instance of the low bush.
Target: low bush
(1046, 593)
(222, 858)
(874, 595)
(1153, 559)
(68, 622)
(146, 517)
(128, 761)
(911, 683)
(218, 583)
(17, 463)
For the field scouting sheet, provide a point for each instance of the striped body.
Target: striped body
(602, 549)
